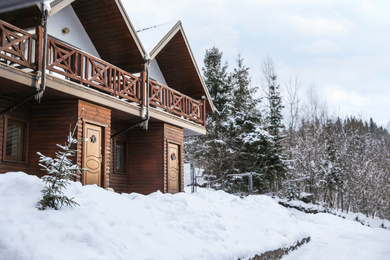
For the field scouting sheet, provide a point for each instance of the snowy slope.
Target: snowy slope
(207, 225)
(335, 238)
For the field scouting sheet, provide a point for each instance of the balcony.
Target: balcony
(24, 50)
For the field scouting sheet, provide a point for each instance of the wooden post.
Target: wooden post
(143, 88)
(39, 45)
(204, 112)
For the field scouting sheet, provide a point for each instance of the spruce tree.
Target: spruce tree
(245, 130)
(274, 165)
(212, 152)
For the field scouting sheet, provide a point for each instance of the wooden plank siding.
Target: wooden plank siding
(50, 125)
(146, 160)
(148, 157)
(100, 116)
(147, 150)
(119, 181)
(21, 113)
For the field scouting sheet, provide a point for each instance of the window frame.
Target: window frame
(23, 142)
(122, 169)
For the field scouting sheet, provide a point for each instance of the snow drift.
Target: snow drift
(107, 225)
(207, 225)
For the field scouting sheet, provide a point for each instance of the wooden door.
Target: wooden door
(92, 155)
(173, 168)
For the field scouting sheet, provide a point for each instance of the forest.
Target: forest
(271, 139)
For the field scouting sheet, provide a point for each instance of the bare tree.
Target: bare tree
(315, 108)
(293, 102)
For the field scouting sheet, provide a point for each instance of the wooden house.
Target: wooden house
(84, 58)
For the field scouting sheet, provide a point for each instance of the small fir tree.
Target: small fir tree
(60, 171)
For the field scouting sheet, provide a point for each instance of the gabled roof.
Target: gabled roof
(178, 65)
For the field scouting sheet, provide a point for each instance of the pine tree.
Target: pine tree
(60, 171)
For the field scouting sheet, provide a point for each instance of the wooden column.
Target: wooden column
(204, 112)
(39, 45)
(143, 88)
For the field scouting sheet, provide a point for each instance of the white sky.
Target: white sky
(342, 47)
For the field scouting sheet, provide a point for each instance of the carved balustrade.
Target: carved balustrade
(16, 46)
(92, 72)
(176, 103)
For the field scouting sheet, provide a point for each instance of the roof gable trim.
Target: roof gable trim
(131, 28)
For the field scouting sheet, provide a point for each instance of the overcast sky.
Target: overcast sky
(339, 46)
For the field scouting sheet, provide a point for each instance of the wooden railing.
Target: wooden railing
(21, 49)
(16, 46)
(176, 103)
(90, 71)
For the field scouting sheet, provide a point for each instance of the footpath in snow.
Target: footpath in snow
(206, 225)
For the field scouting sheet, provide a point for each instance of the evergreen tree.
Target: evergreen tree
(246, 131)
(274, 166)
(212, 152)
(332, 179)
(60, 171)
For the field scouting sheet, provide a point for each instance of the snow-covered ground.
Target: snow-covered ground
(206, 225)
(336, 238)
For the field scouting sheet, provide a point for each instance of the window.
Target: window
(120, 157)
(15, 140)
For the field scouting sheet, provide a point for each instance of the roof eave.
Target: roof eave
(132, 30)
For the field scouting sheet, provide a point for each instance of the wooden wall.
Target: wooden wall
(148, 157)
(21, 113)
(50, 124)
(119, 181)
(145, 159)
(147, 150)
